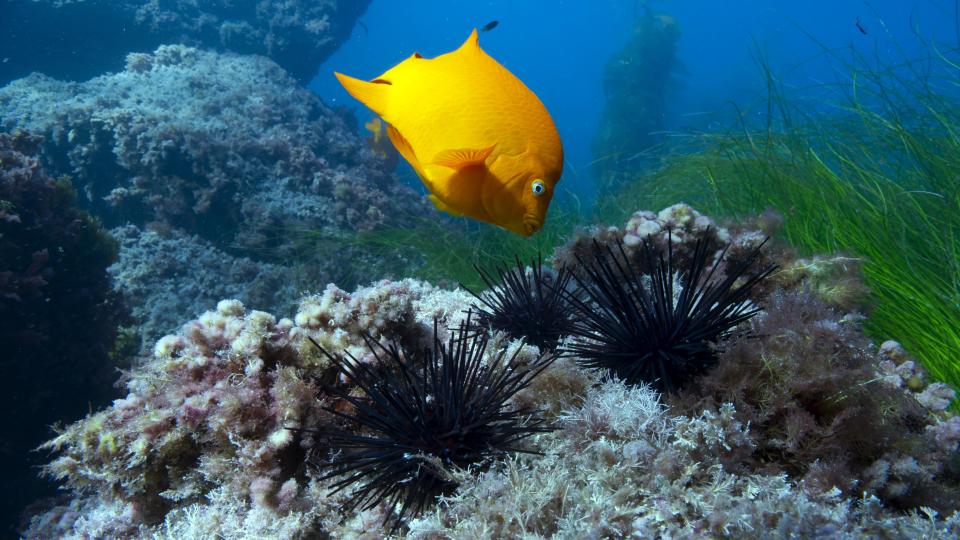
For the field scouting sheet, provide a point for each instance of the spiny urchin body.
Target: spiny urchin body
(528, 305)
(421, 415)
(658, 329)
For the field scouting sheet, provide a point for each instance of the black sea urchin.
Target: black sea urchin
(422, 415)
(644, 329)
(528, 305)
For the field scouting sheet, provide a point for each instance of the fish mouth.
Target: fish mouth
(531, 224)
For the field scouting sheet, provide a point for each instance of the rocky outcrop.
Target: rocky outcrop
(223, 146)
(79, 39)
(226, 422)
(58, 315)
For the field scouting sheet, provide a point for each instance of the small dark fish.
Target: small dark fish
(366, 30)
(860, 27)
(489, 26)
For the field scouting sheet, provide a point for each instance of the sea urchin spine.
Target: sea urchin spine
(422, 415)
(526, 305)
(651, 332)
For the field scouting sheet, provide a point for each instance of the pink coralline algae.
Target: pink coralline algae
(219, 404)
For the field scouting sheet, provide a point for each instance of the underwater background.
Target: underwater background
(711, 59)
(200, 232)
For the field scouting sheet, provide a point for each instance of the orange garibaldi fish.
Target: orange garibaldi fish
(481, 141)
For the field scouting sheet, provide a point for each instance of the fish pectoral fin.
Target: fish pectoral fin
(443, 207)
(461, 158)
(372, 94)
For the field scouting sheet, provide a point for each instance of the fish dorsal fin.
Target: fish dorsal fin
(461, 158)
(372, 94)
(402, 146)
(472, 42)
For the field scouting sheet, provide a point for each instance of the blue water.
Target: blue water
(559, 49)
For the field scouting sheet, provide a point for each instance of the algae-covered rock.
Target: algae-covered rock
(637, 82)
(78, 39)
(162, 276)
(803, 429)
(226, 163)
(223, 146)
(58, 315)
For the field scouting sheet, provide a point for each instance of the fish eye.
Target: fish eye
(538, 187)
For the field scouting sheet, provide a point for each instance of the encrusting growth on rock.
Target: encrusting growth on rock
(803, 429)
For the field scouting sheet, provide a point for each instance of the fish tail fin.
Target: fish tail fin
(372, 94)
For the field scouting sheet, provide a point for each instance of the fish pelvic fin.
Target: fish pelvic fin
(374, 95)
(443, 207)
(402, 146)
(461, 158)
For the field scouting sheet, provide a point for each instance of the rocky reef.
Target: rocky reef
(803, 428)
(164, 275)
(59, 315)
(227, 152)
(57, 37)
(637, 84)
(223, 146)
